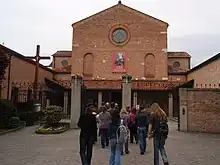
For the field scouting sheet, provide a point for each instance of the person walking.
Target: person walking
(104, 119)
(112, 108)
(142, 125)
(115, 142)
(158, 129)
(132, 126)
(124, 120)
(88, 132)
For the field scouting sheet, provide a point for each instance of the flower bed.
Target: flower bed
(52, 117)
(52, 129)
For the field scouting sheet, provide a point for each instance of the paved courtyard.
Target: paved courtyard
(26, 148)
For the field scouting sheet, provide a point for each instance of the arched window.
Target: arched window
(88, 61)
(149, 66)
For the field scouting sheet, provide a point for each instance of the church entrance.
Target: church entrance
(116, 96)
(112, 96)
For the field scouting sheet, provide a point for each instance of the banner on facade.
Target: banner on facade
(119, 61)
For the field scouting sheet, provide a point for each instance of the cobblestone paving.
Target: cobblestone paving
(26, 148)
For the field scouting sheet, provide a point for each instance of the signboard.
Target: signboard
(119, 61)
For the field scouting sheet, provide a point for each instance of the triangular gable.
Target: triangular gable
(127, 8)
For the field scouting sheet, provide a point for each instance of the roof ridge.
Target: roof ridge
(118, 4)
(204, 63)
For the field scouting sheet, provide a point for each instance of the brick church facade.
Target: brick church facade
(122, 41)
(119, 54)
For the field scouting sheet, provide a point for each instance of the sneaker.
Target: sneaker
(127, 152)
(166, 163)
(142, 153)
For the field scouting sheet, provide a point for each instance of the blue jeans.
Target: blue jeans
(142, 135)
(104, 137)
(115, 154)
(124, 145)
(159, 146)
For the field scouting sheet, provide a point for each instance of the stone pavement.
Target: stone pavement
(26, 148)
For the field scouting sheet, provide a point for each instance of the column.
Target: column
(183, 109)
(170, 105)
(75, 100)
(134, 99)
(126, 90)
(47, 102)
(65, 102)
(99, 99)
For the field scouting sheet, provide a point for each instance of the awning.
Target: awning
(55, 85)
(188, 84)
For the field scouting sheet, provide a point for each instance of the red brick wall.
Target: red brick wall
(22, 71)
(57, 62)
(207, 76)
(147, 35)
(204, 110)
(184, 62)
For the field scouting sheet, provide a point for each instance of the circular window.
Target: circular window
(64, 63)
(176, 64)
(119, 36)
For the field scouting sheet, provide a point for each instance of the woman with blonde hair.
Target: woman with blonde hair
(158, 129)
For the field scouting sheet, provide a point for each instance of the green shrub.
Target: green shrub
(30, 117)
(27, 113)
(53, 114)
(7, 111)
(13, 122)
(25, 106)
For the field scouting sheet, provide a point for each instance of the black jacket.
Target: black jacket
(142, 119)
(87, 124)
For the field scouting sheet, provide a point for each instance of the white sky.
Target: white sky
(194, 24)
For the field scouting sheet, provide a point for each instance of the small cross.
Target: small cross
(119, 2)
(37, 59)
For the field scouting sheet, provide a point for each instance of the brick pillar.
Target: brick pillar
(170, 105)
(65, 102)
(75, 100)
(126, 90)
(183, 98)
(99, 99)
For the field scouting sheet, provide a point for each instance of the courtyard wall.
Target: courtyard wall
(202, 110)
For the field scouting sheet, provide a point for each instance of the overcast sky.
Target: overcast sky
(194, 25)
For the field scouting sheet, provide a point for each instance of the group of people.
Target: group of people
(117, 126)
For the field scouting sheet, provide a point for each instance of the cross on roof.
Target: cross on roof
(37, 59)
